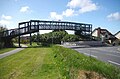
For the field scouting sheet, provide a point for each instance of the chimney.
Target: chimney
(98, 32)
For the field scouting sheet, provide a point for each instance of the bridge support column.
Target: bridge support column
(30, 40)
(38, 38)
(19, 35)
(19, 40)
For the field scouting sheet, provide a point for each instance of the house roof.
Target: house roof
(102, 31)
(117, 33)
(94, 30)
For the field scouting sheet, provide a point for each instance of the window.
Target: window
(106, 36)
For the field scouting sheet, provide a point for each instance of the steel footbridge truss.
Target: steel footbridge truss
(33, 26)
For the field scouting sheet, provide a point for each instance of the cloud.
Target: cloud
(6, 17)
(68, 12)
(88, 8)
(75, 7)
(25, 9)
(114, 16)
(74, 3)
(83, 5)
(56, 16)
(4, 22)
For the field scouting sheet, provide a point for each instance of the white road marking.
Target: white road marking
(118, 49)
(86, 54)
(90, 55)
(113, 55)
(105, 53)
(113, 62)
(94, 56)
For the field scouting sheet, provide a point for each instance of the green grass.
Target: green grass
(33, 44)
(6, 50)
(31, 63)
(53, 62)
(70, 61)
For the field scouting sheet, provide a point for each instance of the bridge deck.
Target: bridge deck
(36, 25)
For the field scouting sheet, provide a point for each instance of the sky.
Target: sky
(99, 13)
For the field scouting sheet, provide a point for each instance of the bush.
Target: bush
(70, 38)
(1, 44)
(52, 37)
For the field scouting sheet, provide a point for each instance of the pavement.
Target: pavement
(109, 54)
(12, 52)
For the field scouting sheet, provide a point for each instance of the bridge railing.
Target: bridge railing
(51, 25)
(18, 31)
(9, 32)
(35, 25)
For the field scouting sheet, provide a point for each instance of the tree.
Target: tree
(2, 28)
(52, 37)
(70, 38)
(56, 37)
(34, 38)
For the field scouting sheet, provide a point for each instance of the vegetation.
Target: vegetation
(31, 63)
(52, 62)
(2, 28)
(70, 62)
(1, 44)
(55, 37)
(70, 38)
(23, 40)
(5, 50)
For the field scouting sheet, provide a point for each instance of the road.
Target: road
(12, 52)
(106, 54)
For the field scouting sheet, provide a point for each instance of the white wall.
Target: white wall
(118, 36)
(95, 33)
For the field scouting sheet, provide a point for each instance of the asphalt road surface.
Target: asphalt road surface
(106, 54)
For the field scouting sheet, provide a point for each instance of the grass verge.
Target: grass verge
(70, 62)
(53, 62)
(6, 50)
(31, 63)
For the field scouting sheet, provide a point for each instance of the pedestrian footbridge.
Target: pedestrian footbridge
(33, 26)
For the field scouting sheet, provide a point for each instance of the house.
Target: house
(117, 35)
(104, 35)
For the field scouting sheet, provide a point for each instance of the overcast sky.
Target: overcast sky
(99, 13)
